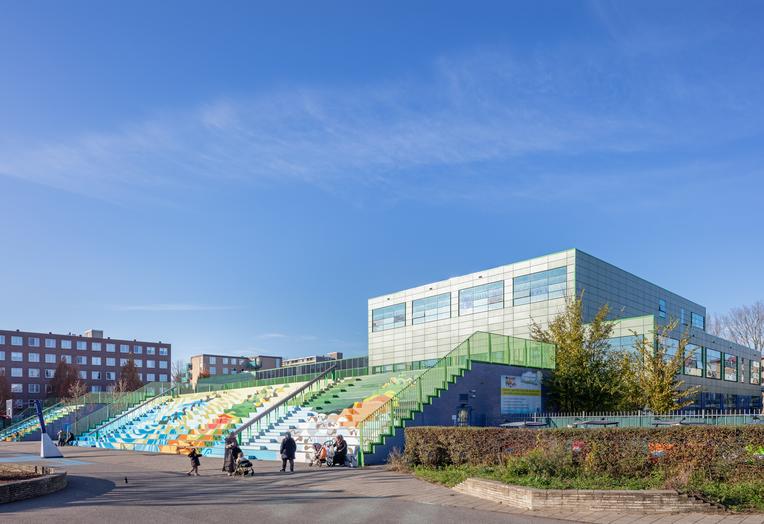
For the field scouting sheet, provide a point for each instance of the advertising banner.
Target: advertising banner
(521, 393)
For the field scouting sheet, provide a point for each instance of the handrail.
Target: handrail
(278, 404)
(412, 397)
(133, 409)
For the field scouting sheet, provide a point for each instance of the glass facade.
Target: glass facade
(537, 287)
(713, 364)
(481, 298)
(730, 367)
(662, 308)
(389, 317)
(698, 321)
(693, 360)
(755, 372)
(431, 308)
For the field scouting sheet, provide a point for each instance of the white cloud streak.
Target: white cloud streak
(172, 307)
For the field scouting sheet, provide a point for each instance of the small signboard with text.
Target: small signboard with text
(521, 393)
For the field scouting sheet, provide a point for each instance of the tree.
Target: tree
(589, 373)
(65, 376)
(178, 371)
(654, 380)
(129, 376)
(76, 390)
(745, 325)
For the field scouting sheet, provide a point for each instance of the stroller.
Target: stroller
(322, 454)
(243, 467)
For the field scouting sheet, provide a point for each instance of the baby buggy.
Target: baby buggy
(243, 467)
(322, 454)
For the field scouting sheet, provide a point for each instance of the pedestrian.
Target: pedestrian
(340, 451)
(232, 451)
(288, 449)
(70, 439)
(194, 457)
(60, 437)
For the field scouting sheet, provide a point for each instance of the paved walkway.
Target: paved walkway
(157, 488)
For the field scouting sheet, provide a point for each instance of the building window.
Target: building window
(2, 355)
(33, 342)
(17, 388)
(110, 348)
(213, 360)
(388, 317)
(713, 364)
(17, 341)
(150, 364)
(431, 308)
(124, 348)
(140, 377)
(33, 357)
(50, 358)
(82, 345)
(138, 350)
(33, 388)
(66, 344)
(162, 364)
(50, 343)
(96, 361)
(162, 378)
(95, 375)
(755, 372)
(213, 370)
(66, 358)
(537, 287)
(150, 377)
(2, 339)
(82, 360)
(225, 371)
(50, 373)
(17, 372)
(83, 374)
(96, 346)
(481, 298)
(225, 360)
(138, 362)
(698, 321)
(17, 356)
(33, 372)
(110, 375)
(693, 360)
(682, 317)
(662, 308)
(111, 362)
(151, 350)
(162, 352)
(123, 362)
(730, 367)
(95, 389)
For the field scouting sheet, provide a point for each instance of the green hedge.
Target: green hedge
(712, 452)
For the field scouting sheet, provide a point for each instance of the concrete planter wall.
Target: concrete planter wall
(641, 501)
(30, 488)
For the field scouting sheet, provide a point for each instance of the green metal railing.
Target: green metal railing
(120, 403)
(479, 347)
(637, 419)
(297, 397)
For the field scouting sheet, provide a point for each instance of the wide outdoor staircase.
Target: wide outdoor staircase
(172, 424)
(330, 412)
(29, 428)
(383, 427)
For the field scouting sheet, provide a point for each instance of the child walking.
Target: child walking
(194, 456)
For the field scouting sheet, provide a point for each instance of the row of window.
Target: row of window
(35, 388)
(82, 345)
(705, 362)
(50, 373)
(82, 360)
(697, 320)
(233, 361)
(527, 289)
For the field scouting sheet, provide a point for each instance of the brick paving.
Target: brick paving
(158, 489)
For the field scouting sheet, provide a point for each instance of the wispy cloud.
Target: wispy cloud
(284, 336)
(476, 120)
(171, 307)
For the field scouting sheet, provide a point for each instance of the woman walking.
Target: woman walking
(232, 451)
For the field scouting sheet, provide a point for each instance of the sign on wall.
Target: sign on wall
(521, 393)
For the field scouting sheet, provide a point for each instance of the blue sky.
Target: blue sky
(241, 178)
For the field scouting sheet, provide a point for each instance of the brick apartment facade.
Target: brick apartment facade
(28, 361)
(227, 365)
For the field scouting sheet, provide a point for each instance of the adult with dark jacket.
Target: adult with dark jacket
(232, 451)
(340, 451)
(288, 450)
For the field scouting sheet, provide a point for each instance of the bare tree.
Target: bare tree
(76, 390)
(178, 371)
(715, 326)
(745, 325)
